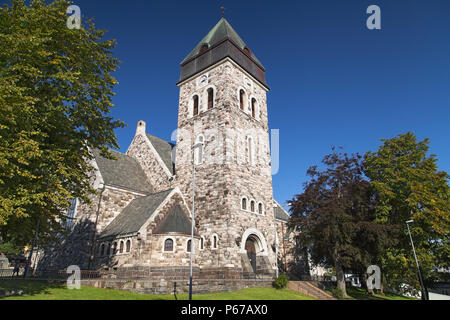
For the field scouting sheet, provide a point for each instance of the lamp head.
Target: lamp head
(409, 221)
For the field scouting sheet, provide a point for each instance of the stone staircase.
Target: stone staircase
(310, 289)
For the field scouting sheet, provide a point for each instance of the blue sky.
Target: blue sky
(333, 81)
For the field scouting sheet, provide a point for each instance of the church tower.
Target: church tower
(223, 112)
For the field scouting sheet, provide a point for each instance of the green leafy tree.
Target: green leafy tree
(55, 98)
(408, 186)
(335, 216)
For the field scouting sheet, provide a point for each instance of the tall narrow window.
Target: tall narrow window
(252, 206)
(215, 241)
(254, 108)
(168, 245)
(102, 249)
(210, 98)
(241, 99)
(108, 251)
(244, 204)
(188, 248)
(202, 243)
(260, 208)
(114, 251)
(195, 111)
(128, 245)
(121, 247)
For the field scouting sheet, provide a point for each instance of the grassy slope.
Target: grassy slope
(46, 291)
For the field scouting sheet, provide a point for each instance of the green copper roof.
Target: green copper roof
(223, 30)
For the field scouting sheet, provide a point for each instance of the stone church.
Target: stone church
(142, 215)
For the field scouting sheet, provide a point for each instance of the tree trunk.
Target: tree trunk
(382, 284)
(340, 277)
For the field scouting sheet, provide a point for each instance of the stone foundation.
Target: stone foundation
(178, 286)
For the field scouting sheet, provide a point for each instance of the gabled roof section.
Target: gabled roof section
(221, 31)
(175, 221)
(280, 213)
(125, 172)
(135, 215)
(164, 150)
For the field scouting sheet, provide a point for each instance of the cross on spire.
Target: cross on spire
(223, 11)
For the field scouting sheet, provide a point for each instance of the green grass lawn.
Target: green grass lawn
(360, 294)
(37, 290)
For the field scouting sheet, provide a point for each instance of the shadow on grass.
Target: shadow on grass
(30, 287)
(360, 294)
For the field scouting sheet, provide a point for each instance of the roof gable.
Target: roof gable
(175, 221)
(125, 172)
(280, 213)
(135, 215)
(164, 150)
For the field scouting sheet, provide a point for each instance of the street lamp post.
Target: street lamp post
(192, 219)
(424, 290)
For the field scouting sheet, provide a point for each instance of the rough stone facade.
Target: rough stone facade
(226, 176)
(144, 199)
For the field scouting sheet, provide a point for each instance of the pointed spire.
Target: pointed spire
(221, 31)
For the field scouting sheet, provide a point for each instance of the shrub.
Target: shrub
(337, 293)
(281, 282)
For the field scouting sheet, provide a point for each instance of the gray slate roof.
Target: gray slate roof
(175, 221)
(221, 31)
(280, 213)
(134, 216)
(124, 172)
(164, 150)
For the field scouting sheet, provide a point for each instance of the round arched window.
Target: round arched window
(168, 245)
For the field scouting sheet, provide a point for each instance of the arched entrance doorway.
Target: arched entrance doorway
(254, 251)
(250, 247)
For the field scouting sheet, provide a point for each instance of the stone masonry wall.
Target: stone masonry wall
(226, 174)
(140, 151)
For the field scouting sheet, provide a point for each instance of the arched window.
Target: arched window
(168, 245)
(252, 206)
(102, 249)
(198, 151)
(188, 246)
(108, 251)
(260, 208)
(114, 248)
(254, 108)
(215, 241)
(128, 245)
(244, 204)
(241, 99)
(121, 247)
(210, 98)
(195, 106)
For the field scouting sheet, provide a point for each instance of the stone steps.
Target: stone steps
(310, 289)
